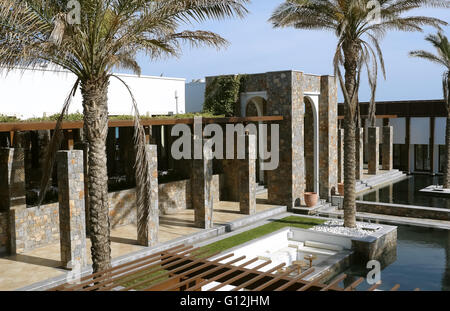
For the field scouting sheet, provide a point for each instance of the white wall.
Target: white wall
(439, 131)
(420, 131)
(195, 96)
(399, 126)
(30, 93)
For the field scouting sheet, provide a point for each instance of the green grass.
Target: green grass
(291, 221)
(222, 245)
(142, 277)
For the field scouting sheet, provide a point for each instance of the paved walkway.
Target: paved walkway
(43, 263)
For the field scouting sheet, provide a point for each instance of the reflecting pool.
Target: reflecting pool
(423, 261)
(407, 192)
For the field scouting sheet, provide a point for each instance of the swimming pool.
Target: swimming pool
(423, 261)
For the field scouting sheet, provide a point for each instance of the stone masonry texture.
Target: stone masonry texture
(201, 180)
(72, 221)
(33, 227)
(247, 180)
(359, 153)
(328, 137)
(148, 217)
(373, 149)
(341, 156)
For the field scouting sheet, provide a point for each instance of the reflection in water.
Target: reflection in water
(423, 261)
(446, 276)
(407, 192)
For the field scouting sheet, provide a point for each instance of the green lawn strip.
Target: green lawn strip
(220, 246)
(142, 277)
(291, 221)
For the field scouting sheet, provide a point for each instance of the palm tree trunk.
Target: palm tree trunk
(95, 105)
(349, 173)
(351, 85)
(447, 153)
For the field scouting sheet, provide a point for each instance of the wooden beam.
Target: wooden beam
(203, 265)
(295, 280)
(354, 284)
(334, 282)
(36, 126)
(204, 274)
(234, 278)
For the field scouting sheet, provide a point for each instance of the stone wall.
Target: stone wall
(37, 227)
(4, 236)
(173, 197)
(34, 227)
(403, 210)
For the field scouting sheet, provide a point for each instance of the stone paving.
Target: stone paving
(44, 262)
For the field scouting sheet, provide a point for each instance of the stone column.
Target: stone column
(148, 218)
(286, 184)
(201, 178)
(72, 222)
(247, 179)
(328, 137)
(373, 150)
(388, 148)
(12, 179)
(359, 153)
(341, 156)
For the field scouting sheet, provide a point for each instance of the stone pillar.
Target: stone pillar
(359, 144)
(148, 218)
(388, 148)
(247, 180)
(373, 150)
(341, 156)
(12, 179)
(286, 184)
(72, 222)
(201, 178)
(328, 137)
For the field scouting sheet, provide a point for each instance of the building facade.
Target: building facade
(28, 93)
(419, 133)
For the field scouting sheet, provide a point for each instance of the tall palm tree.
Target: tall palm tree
(358, 25)
(106, 34)
(442, 57)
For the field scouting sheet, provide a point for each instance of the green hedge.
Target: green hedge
(79, 117)
(222, 95)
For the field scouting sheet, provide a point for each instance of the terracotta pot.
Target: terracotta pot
(341, 189)
(311, 199)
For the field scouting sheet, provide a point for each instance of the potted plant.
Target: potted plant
(311, 199)
(341, 188)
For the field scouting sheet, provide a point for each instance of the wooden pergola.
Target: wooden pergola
(70, 126)
(184, 268)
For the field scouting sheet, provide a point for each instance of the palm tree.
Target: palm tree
(442, 46)
(91, 42)
(358, 25)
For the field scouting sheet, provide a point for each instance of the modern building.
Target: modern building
(195, 95)
(419, 132)
(30, 93)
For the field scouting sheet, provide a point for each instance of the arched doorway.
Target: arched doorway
(311, 148)
(256, 107)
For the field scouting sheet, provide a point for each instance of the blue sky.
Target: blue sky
(256, 47)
